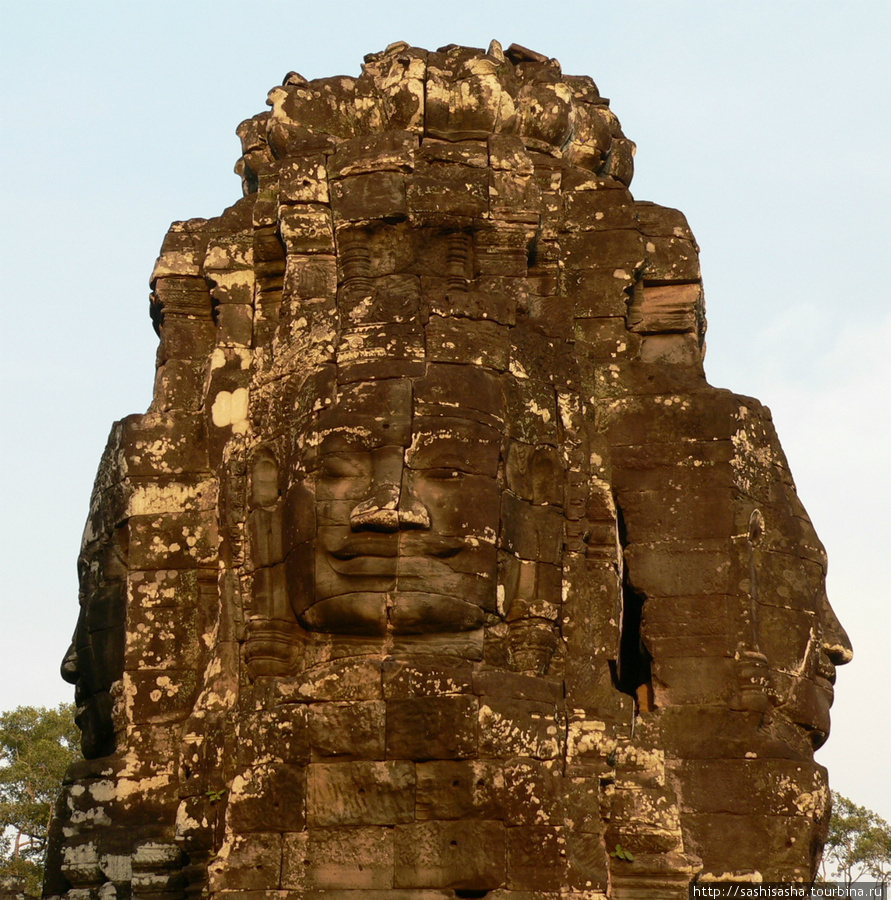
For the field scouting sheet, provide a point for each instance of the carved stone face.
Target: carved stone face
(812, 693)
(730, 579)
(800, 635)
(95, 659)
(407, 506)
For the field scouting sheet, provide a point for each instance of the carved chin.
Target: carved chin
(94, 719)
(397, 612)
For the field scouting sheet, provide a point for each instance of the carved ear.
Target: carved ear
(756, 527)
(265, 487)
(266, 515)
(270, 644)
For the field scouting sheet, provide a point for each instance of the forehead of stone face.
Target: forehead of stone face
(473, 392)
(454, 442)
(104, 560)
(368, 414)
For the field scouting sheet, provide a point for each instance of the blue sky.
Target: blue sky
(768, 124)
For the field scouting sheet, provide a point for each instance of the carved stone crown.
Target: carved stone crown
(453, 94)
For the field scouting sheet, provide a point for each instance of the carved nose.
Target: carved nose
(378, 512)
(389, 509)
(391, 504)
(836, 643)
(412, 512)
(69, 669)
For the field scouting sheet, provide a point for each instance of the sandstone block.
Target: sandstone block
(519, 728)
(304, 180)
(159, 695)
(432, 727)
(359, 858)
(391, 151)
(404, 679)
(536, 857)
(280, 735)
(595, 293)
(266, 797)
(460, 789)
(759, 786)
(360, 793)
(461, 854)
(337, 680)
(532, 792)
(456, 341)
(376, 195)
(605, 251)
(671, 259)
(352, 729)
(530, 531)
(306, 229)
(661, 309)
(253, 863)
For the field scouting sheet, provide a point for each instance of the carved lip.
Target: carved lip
(81, 695)
(390, 546)
(825, 671)
(397, 612)
(366, 545)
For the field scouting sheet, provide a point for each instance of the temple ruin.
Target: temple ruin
(436, 568)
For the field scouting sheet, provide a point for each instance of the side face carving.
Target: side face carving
(797, 630)
(94, 663)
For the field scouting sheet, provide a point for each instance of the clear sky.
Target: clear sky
(767, 123)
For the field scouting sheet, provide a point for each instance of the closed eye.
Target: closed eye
(445, 473)
(334, 465)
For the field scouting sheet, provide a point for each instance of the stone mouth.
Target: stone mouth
(825, 671)
(366, 545)
(388, 547)
(394, 612)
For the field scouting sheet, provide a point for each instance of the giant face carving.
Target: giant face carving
(386, 518)
(797, 630)
(94, 662)
(407, 510)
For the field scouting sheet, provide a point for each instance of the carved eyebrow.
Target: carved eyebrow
(344, 439)
(342, 465)
(445, 460)
(427, 442)
(444, 453)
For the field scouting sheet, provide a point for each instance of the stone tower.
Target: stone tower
(436, 568)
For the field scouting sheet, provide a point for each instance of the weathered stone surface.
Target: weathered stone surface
(468, 854)
(432, 727)
(436, 568)
(348, 728)
(360, 793)
(358, 858)
(460, 789)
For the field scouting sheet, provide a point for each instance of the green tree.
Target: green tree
(36, 746)
(858, 845)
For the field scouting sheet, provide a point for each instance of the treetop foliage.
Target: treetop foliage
(858, 845)
(36, 747)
